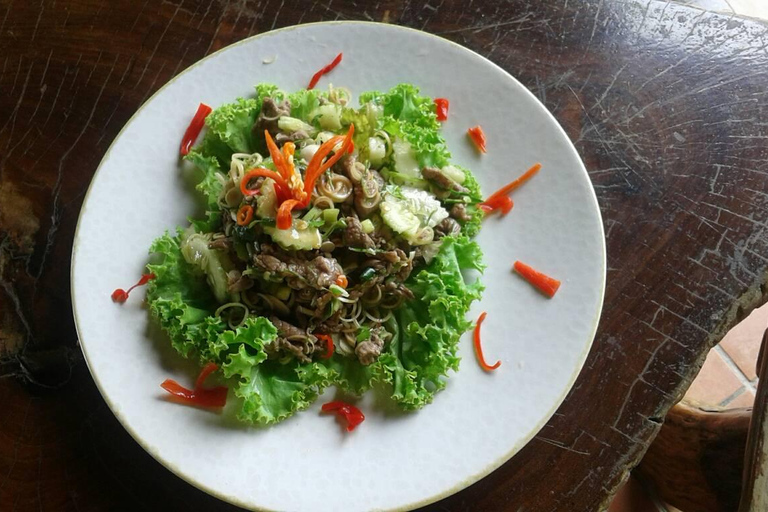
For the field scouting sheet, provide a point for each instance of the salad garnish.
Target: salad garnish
(203, 397)
(323, 71)
(441, 109)
(330, 348)
(351, 414)
(504, 204)
(479, 348)
(498, 201)
(121, 295)
(545, 284)
(194, 128)
(509, 187)
(477, 136)
(244, 215)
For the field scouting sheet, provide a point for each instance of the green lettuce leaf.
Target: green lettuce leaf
(429, 327)
(209, 186)
(270, 391)
(412, 117)
(180, 299)
(304, 102)
(403, 102)
(229, 129)
(472, 227)
(230, 126)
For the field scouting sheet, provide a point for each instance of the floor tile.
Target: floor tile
(745, 399)
(632, 497)
(742, 343)
(716, 381)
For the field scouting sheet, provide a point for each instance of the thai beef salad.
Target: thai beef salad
(331, 251)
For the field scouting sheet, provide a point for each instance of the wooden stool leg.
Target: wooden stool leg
(754, 497)
(713, 461)
(696, 461)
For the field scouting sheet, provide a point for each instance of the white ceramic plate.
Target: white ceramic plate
(391, 461)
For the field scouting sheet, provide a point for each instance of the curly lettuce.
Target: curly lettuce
(411, 117)
(426, 330)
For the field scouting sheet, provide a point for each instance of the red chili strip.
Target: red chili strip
(509, 187)
(244, 215)
(327, 69)
(478, 137)
(351, 414)
(216, 397)
(204, 373)
(479, 349)
(193, 130)
(441, 109)
(199, 396)
(545, 284)
(121, 295)
(329, 346)
(503, 204)
(499, 200)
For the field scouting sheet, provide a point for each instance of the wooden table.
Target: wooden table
(667, 105)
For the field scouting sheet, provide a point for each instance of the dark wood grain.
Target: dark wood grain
(666, 105)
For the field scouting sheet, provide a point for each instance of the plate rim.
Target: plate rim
(456, 487)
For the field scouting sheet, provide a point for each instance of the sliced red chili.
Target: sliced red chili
(503, 204)
(284, 217)
(329, 346)
(509, 187)
(326, 69)
(350, 413)
(280, 160)
(280, 184)
(441, 108)
(215, 397)
(204, 373)
(199, 396)
(244, 215)
(121, 295)
(316, 166)
(479, 349)
(193, 130)
(478, 137)
(545, 284)
(499, 200)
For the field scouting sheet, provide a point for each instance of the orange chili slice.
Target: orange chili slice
(479, 349)
(244, 215)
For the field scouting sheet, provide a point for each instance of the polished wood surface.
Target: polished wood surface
(666, 104)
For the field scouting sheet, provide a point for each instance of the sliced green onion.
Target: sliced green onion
(312, 214)
(338, 291)
(367, 226)
(330, 216)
